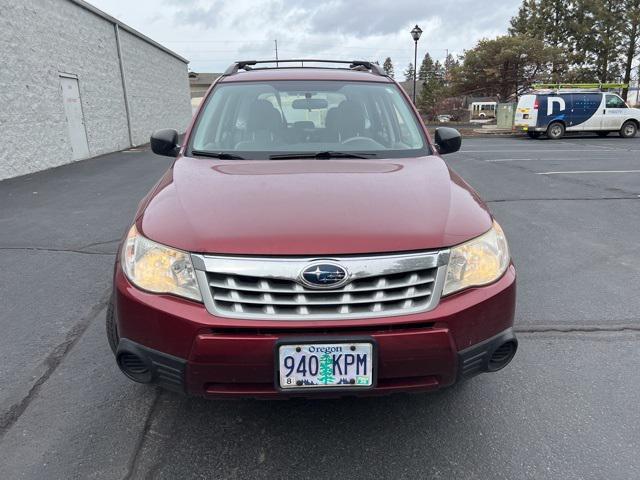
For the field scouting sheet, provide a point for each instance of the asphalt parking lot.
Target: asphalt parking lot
(567, 407)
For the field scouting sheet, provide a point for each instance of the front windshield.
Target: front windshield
(261, 119)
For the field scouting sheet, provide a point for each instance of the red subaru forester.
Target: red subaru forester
(310, 241)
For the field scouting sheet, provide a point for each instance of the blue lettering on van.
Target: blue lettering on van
(553, 100)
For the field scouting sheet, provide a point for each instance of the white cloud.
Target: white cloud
(212, 34)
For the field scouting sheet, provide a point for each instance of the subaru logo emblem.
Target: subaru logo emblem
(324, 275)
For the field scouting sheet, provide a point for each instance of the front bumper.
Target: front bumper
(528, 128)
(187, 349)
(171, 372)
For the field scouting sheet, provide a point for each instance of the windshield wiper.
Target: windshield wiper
(321, 155)
(220, 155)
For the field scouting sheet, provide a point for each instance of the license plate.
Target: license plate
(325, 365)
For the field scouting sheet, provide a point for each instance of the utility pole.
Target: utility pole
(276, 43)
(638, 88)
(446, 71)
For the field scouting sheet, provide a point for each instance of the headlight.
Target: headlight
(159, 269)
(477, 262)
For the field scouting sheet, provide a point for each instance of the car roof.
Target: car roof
(304, 73)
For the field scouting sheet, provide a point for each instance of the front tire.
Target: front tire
(629, 129)
(534, 134)
(555, 131)
(112, 327)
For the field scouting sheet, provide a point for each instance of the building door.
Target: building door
(75, 118)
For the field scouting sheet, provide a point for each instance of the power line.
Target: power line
(311, 44)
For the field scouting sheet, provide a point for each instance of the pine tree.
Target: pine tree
(592, 40)
(433, 86)
(502, 67)
(409, 72)
(438, 70)
(522, 23)
(631, 39)
(387, 66)
(552, 22)
(426, 68)
(326, 369)
(607, 38)
(450, 64)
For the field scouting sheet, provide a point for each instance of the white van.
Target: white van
(555, 113)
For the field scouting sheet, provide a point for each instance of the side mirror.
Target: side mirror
(165, 142)
(448, 140)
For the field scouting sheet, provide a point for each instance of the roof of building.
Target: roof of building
(124, 26)
(471, 100)
(196, 78)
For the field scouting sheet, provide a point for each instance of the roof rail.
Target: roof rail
(583, 86)
(353, 65)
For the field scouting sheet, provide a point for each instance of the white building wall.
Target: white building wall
(157, 88)
(39, 39)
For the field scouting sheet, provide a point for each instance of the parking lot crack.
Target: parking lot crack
(56, 250)
(577, 329)
(97, 244)
(132, 467)
(9, 417)
(579, 199)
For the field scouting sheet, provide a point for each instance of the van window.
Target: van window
(614, 101)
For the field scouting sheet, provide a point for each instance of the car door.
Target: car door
(614, 112)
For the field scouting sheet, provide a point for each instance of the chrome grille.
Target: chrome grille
(268, 288)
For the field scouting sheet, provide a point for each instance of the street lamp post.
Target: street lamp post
(415, 33)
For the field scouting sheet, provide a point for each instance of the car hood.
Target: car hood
(311, 207)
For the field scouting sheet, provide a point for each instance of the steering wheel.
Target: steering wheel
(365, 140)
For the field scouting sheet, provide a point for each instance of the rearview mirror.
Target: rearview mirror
(309, 103)
(165, 142)
(448, 140)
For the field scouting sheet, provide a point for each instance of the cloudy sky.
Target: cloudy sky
(214, 33)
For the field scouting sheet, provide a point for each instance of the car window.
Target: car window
(259, 119)
(614, 101)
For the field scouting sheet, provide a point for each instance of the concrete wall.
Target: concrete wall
(157, 88)
(39, 39)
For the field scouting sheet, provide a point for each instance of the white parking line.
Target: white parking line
(510, 160)
(588, 171)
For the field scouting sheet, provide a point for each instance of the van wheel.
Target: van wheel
(555, 131)
(112, 327)
(602, 134)
(534, 134)
(629, 129)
